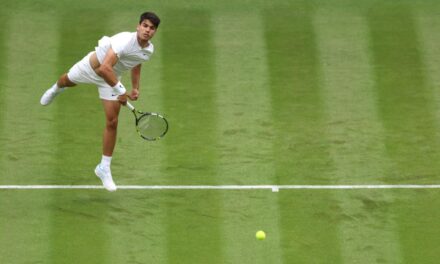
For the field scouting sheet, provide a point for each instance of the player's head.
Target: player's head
(152, 17)
(147, 27)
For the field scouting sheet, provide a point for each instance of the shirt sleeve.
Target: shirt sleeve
(119, 43)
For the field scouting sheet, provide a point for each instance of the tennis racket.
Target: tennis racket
(150, 126)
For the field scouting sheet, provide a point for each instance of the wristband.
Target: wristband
(119, 88)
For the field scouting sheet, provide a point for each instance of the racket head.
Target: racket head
(151, 126)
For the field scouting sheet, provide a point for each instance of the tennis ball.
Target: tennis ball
(260, 235)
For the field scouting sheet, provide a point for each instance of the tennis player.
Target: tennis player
(104, 67)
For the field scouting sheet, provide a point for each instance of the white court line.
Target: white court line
(274, 188)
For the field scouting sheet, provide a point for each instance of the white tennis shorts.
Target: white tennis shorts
(82, 72)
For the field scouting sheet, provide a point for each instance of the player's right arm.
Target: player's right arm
(105, 71)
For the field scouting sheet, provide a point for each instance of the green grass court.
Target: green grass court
(282, 92)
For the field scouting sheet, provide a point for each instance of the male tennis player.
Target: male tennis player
(104, 67)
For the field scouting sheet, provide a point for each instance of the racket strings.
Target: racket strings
(152, 126)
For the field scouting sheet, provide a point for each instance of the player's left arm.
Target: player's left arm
(135, 80)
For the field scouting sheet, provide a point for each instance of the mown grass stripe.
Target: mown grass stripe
(189, 99)
(300, 149)
(23, 132)
(407, 110)
(428, 25)
(25, 129)
(243, 100)
(244, 106)
(73, 236)
(4, 32)
(357, 155)
(188, 75)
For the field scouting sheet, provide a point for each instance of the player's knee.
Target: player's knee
(112, 123)
(64, 81)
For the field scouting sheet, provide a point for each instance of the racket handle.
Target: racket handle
(130, 106)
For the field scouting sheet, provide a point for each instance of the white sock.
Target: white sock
(57, 89)
(106, 161)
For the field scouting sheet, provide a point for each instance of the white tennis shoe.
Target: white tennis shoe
(106, 177)
(49, 95)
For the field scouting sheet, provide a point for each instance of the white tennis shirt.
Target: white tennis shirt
(127, 48)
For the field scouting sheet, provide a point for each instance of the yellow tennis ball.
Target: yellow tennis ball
(260, 235)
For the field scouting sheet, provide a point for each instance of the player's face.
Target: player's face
(146, 30)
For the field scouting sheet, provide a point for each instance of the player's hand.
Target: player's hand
(134, 94)
(123, 99)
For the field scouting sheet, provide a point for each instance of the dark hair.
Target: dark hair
(152, 17)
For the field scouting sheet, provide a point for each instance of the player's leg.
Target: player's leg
(79, 73)
(59, 87)
(103, 171)
(64, 82)
(111, 109)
